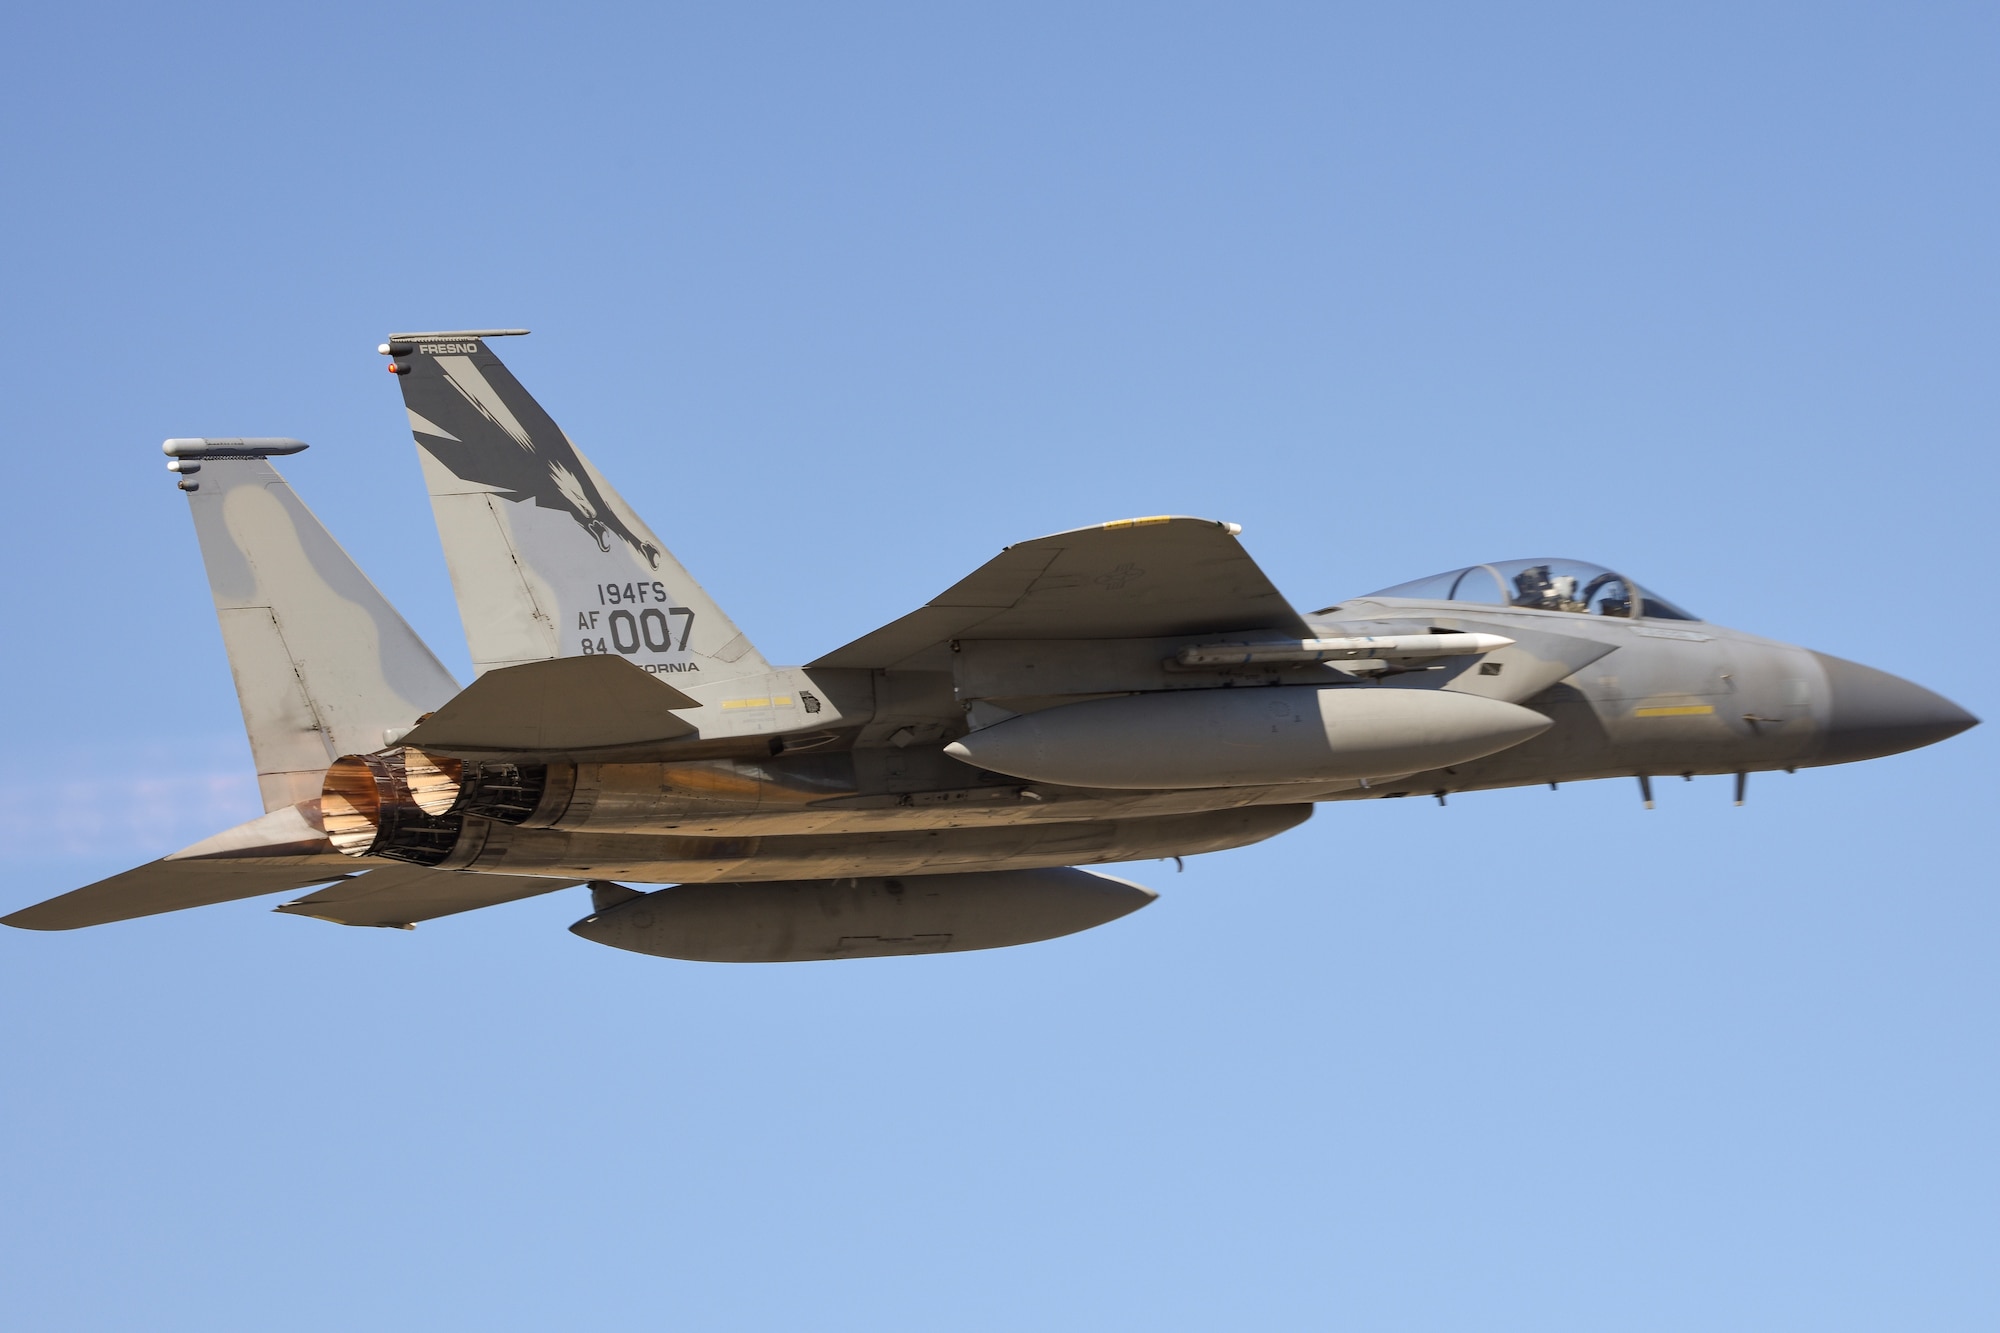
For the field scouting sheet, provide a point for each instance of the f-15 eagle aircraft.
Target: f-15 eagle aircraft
(1127, 691)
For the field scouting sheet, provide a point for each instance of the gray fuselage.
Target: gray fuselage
(877, 794)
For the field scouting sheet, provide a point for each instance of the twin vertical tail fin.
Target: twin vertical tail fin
(324, 665)
(546, 558)
(548, 562)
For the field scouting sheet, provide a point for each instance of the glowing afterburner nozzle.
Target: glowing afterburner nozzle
(433, 780)
(350, 803)
(369, 806)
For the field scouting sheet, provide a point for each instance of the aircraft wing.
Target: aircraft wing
(1133, 579)
(168, 885)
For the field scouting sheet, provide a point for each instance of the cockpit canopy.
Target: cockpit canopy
(1543, 585)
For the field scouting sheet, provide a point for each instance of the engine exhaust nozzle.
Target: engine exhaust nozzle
(397, 804)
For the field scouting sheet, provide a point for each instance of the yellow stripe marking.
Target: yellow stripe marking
(782, 701)
(1138, 522)
(1677, 710)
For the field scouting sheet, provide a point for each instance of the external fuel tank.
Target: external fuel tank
(792, 921)
(1248, 737)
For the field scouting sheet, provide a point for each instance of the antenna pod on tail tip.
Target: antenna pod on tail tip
(238, 447)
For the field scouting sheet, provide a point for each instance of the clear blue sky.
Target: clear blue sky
(848, 297)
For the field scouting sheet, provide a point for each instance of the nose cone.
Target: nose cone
(1873, 713)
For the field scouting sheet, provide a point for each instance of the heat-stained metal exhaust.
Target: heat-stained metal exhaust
(411, 806)
(371, 806)
(504, 793)
(433, 781)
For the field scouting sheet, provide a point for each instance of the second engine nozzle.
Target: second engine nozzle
(1249, 737)
(394, 803)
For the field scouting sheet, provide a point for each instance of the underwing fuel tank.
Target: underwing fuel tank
(796, 921)
(1248, 737)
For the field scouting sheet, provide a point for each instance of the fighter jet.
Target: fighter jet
(1127, 691)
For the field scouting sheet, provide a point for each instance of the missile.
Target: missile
(791, 921)
(1248, 737)
(1388, 646)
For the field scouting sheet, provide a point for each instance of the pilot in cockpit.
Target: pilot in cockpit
(1616, 602)
(1616, 599)
(1536, 587)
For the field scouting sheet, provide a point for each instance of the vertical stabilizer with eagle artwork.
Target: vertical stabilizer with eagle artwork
(546, 557)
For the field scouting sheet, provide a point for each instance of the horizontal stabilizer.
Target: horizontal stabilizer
(1135, 579)
(281, 852)
(405, 895)
(276, 852)
(562, 706)
(169, 886)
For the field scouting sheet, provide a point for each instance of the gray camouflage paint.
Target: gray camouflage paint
(323, 663)
(469, 412)
(837, 770)
(547, 560)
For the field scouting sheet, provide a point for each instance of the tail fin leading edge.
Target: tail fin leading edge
(546, 557)
(323, 663)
